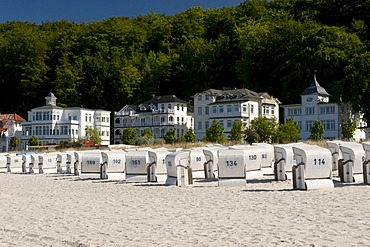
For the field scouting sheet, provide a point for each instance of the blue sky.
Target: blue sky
(38, 11)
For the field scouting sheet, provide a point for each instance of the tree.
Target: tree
(33, 141)
(237, 131)
(128, 136)
(317, 131)
(170, 136)
(348, 129)
(287, 132)
(93, 135)
(215, 133)
(265, 128)
(250, 135)
(14, 142)
(148, 134)
(189, 136)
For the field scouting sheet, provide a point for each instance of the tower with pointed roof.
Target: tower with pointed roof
(315, 105)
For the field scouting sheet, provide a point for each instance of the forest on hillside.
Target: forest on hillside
(266, 46)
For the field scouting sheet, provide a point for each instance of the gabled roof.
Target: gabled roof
(315, 88)
(163, 99)
(12, 116)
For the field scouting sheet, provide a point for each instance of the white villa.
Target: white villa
(159, 114)
(314, 106)
(228, 106)
(52, 124)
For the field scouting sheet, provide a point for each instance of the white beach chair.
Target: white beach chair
(26, 160)
(284, 161)
(3, 163)
(136, 165)
(113, 167)
(350, 168)
(78, 160)
(267, 157)
(61, 162)
(211, 164)
(178, 172)
(253, 160)
(156, 168)
(366, 163)
(232, 167)
(91, 164)
(33, 166)
(196, 162)
(70, 161)
(48, 163)
(14, 163)
(336, 153)
(313, 169)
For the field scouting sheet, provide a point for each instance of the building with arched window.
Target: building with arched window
(52, 124)
(159, 114)
(315, 106)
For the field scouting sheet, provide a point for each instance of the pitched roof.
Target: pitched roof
(163, 99)
(12, 116)
(315, 88)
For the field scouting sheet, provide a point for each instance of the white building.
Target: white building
(228, 106)
(314, 106)
(52, 124)
(159, 114)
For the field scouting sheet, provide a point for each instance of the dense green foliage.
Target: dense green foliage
(317, 131)
(265, 128)
(128, 136)
(14, 142)
(236, 133)
(215, 133)
(33, 141)
(348, 129)
(170, 136)
(270, 46)
(189, 136)
(287, 132)
(93, 135)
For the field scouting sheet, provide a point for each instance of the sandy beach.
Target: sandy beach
(61, 210)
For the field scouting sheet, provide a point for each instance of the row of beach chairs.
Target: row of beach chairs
(307, 166)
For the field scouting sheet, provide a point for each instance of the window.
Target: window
(142, 121)
(214, 109)
(207, 125)
(328, 124)
(299, 125)
(272, 110)
(222, 123)
(199, 97)
(294, 112)
(229, 123)
(327, 109)
(86, 117)
(310, 110)
(200, 125)
(169, 106)
(117, 121)
(244, 108)
(207, 97)
(309, 124)
(252, 108)
(236, 108)
(171, 118)
(199, 110)
(178, 107)
(229, 108)
(207, 110)
(221, 109)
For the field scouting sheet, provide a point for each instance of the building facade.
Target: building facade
(159, 114)
(314, 106)
(229, 106)
(52, 124)
(10, 125)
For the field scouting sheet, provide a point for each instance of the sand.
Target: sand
(61, 210)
